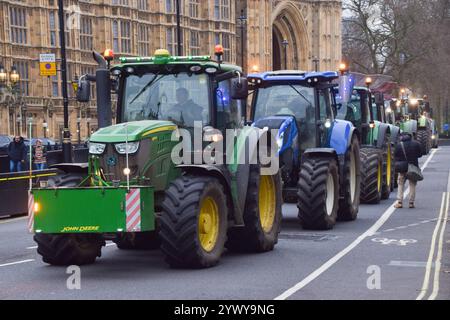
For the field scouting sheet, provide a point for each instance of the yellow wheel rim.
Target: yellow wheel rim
(379, 177)
(208, 224)
(388, 167)
(267, 203)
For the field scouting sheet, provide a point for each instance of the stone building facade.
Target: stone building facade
(311, 28)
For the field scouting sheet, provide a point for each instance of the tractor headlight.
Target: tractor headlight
(280, 140)
(131, 146)
(433, 137)
(96, 148)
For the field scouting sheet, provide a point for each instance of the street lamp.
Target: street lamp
(9, 90)
(3, 75)
(14, 75)
(285, 43)
(242, 19)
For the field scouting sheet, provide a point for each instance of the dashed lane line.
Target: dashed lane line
(17, 262)
(370, 232)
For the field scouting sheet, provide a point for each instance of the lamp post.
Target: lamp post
(285, 43)
(179, 51)
(242, 20)
(67, 147)
(9, 90)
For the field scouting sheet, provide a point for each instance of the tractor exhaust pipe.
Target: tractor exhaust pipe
(103, 80)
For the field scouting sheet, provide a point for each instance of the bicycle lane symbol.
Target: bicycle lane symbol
(401, 242)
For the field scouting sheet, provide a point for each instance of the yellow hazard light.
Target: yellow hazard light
(108, 54)
(162, 53)
(368, 81)
(343, 67)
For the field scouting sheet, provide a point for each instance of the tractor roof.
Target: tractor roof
(292, 76)
(161, 60)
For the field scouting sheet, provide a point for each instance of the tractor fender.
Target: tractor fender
(72, 167)
(324, 152)
(341, 136)
(410, 127)
(395, 134)
(221, 173)
(383, 131)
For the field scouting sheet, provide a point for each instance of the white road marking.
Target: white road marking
(437, 269)
(370, 232)
(427, 275)
(110, 244)
(401, 242)
(31, 248)
(17, 262)
(13, 220)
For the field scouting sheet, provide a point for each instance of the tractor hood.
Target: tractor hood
(135, 131)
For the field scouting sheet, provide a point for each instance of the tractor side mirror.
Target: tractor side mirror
(84, 90)
(239, 88)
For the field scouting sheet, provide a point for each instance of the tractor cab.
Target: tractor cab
(297, 103)
(360, 111)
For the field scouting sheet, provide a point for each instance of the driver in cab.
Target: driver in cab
(185, 110)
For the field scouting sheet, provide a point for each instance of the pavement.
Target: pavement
(386, 254)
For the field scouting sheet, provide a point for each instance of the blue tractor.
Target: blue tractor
(318, 154)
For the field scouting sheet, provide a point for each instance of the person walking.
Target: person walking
(407, 152)
(17, 152)
(39, 155)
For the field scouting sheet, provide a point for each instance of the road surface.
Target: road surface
(385, 254)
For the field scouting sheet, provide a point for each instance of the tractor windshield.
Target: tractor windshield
(353, 110)
(181, 98)
(294, 100)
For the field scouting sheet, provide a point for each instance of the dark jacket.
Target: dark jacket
(17, 151)
(412, 150)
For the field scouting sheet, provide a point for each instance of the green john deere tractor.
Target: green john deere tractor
(376, 154)
(142, 188)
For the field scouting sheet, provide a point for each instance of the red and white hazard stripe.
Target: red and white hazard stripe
(133, 210)
(30, 212)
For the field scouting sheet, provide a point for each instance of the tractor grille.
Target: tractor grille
(113, 163)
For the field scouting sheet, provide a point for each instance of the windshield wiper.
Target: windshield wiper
(148, 85)
(301, 95)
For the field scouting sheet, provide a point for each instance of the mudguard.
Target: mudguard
(326, 152)
(383, 131)
(409, 126)
(395, 133)
(341, 136)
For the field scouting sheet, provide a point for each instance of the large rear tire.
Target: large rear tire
(371, 175)
(318, 193)
(262, 215)
(69, 249)
(349, 205)
(194, 222)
